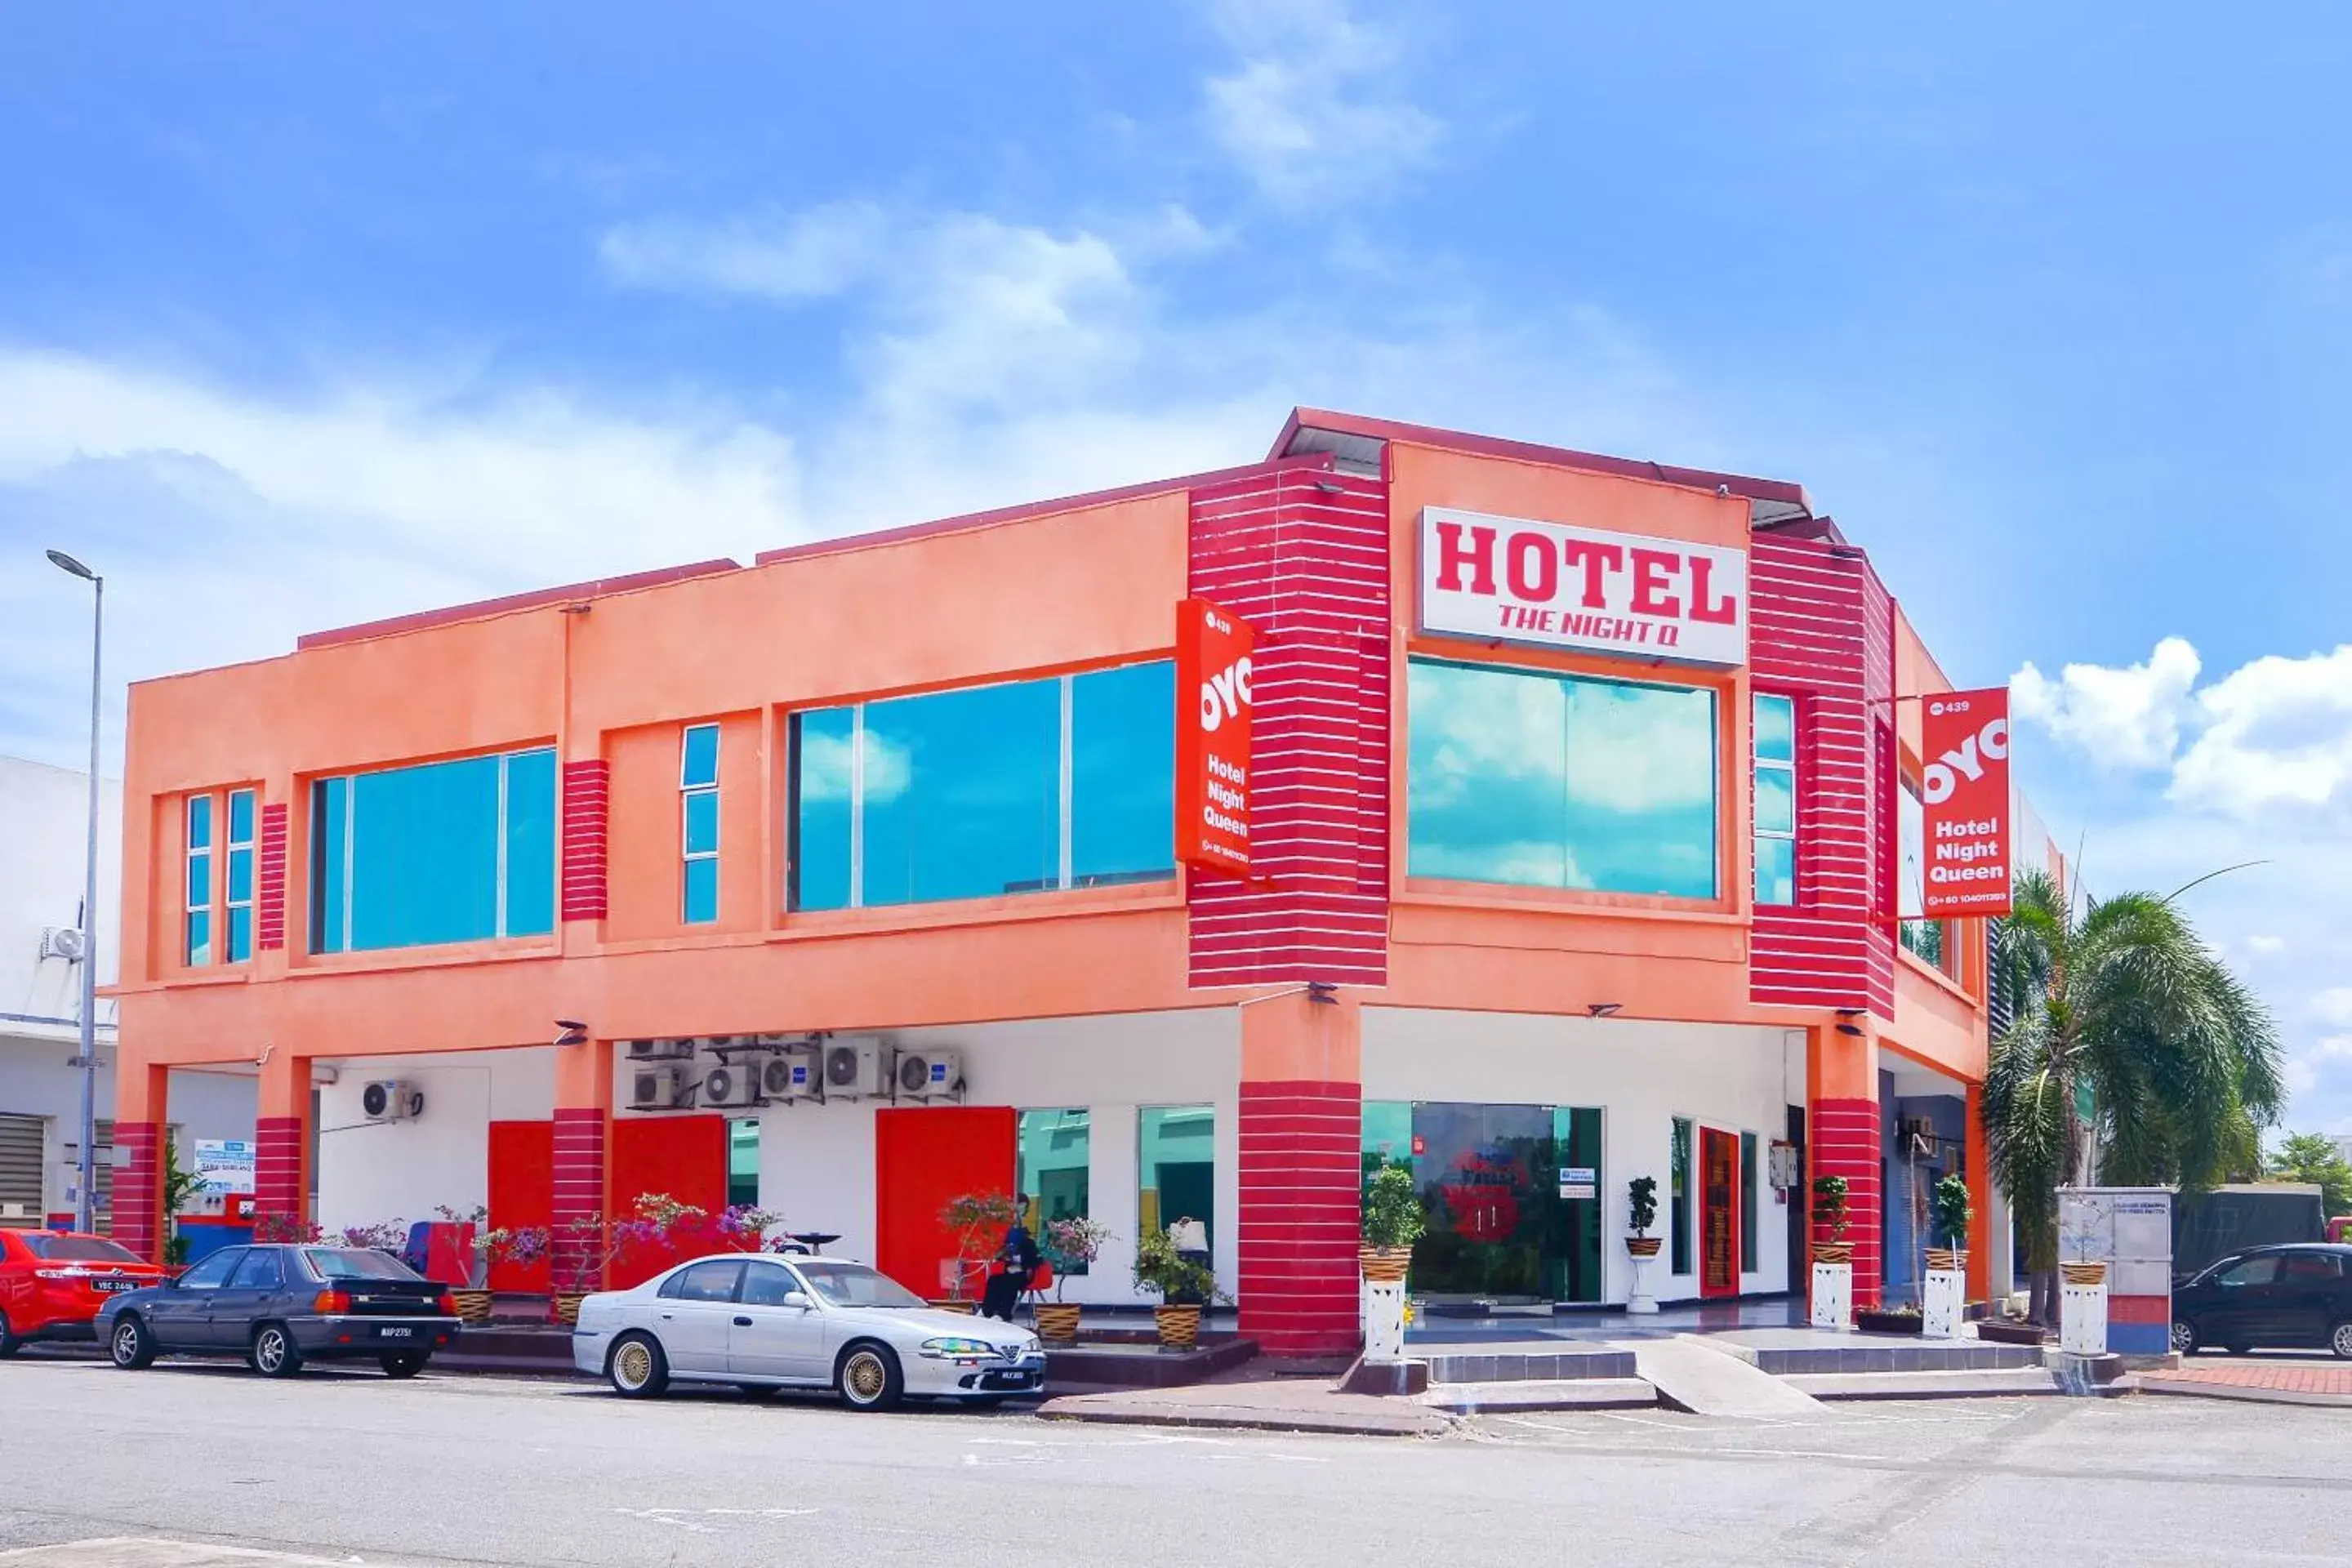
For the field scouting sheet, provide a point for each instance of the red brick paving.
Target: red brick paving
(2286, 1378)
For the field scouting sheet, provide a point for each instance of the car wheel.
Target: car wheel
(406, 1364)
(132, 1346)
(9, 1343)
(868, 1376)
(275, 1353)
(636, 1369)
(2184, 1336)
(2340, 1341)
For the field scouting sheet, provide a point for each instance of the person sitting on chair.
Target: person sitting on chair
(1016, 1261)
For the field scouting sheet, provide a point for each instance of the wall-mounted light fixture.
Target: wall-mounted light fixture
(1602, 1009)
(571, 1031)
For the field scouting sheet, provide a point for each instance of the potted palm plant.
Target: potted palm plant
(1946, 1288)
(1072, 1243)
(1392, 1221)
(980, 1221)
(1833, 1259)
(1183, 1285)
(1641, 1246)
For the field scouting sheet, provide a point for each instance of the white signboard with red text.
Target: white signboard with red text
(1964, 803)
(1516, 579)
(1213, 648)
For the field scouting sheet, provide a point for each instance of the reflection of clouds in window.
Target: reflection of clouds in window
(1633, 748)
(1527, 862)
(825, 767)
(1482, 725)
(1911, 829)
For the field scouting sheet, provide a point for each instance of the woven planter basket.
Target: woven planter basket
(1833, 1252)
(2083, 1273)
(1947, 1259)
(472, 1306)
(1058, 1322)
(1180, 1327)
(1384, 1265)
(1644, 1246)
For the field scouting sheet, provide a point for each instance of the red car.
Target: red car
(52, 1283)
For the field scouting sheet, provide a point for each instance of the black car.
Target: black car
(279, 1307)
(2279, 1297)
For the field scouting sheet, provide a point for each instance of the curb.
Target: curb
(1235, 1419)
(2193, 1388)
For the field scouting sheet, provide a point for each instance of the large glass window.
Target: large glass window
(698, 782)
(199, 814)
(1775, 799)
(442, 852)
(240, 876)
(1054, 1147)
(1511, 1194)
(1176, 1176)
(743, 1162)
(1678, 1209)
(1561, 782)
(1930, 942)
(1030, 786)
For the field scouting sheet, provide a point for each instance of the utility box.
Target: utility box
(2129, 1229)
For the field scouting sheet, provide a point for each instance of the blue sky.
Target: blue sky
(306, 317)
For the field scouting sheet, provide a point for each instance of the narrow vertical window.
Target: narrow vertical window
(200, 879)
(698, 784)
(331, 853)
(239, 901)
(1775, 799)
(1748, 1202)
(1678, 1208)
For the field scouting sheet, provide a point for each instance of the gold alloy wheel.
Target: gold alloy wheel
(633, 1364)
(863, 1377)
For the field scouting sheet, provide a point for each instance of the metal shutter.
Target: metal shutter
(21, 1140)
(101, 1205)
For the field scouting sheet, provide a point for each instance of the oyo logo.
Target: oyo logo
(1939, 778)
(1224, 694)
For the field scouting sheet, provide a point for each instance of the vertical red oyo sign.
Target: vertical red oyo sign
(1964, 793)
(1212, 737)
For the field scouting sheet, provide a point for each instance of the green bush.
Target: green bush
(1392, 1212)
(1642, 1203)
(1953, 1210)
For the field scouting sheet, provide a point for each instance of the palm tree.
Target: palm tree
(2119, 996)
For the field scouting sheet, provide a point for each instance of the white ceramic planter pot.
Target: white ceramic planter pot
(2083, 1308)
(1941, 1303)
(1641, 1255)
(1383, 1319)
(1833, 1296)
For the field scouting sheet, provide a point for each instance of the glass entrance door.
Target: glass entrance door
(1511, 1194)
(1718, 1214)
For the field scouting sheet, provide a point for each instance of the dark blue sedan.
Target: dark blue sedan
(277, 1306)
(2295, 1297)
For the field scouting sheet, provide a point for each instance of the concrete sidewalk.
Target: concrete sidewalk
(1263, 1403)
(2270, 1382)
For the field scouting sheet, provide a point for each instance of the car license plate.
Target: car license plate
(394, 1333)
(108, 1287)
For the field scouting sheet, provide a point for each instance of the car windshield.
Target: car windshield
(854, 1285)
(78, 1249)
(358, 1263)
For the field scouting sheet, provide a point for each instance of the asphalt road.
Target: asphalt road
(351, 1467)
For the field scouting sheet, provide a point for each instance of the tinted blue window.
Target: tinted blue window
(240, 816)
(1776, 870)
(701, 891)
(530, 844)
(1561, 782)
(702, 822)
(963, 794)
(1776, 801)
(700, 756)
(200, 822)
(327, 820)
(200, 880)
(1123, 773)
(200, 938)
(425, 855)
(821, 744)
(240, 876)
(241, 935)
(1776, 730)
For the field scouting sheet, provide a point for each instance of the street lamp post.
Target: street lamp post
(84, 1212)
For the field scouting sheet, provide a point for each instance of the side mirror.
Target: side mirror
(799, 1301)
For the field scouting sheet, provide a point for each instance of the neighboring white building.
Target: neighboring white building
(43, 827)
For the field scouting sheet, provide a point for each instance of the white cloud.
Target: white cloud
(2129, 718)
(770, 253)
(2278, 733)
(1314, 107)
(2332, 1007)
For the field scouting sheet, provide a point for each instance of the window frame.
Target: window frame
(1758, 833)
(1064, 880)
(233, 848)
(193, 953)
(336, 941)
(689, 790)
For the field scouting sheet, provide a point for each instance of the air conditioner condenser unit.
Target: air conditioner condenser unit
(856, 1069)
(664, 1087)
(929, 1075)
(792, 1074)
(392, 1100)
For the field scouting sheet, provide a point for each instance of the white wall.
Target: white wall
(370, 1173)
(816, 1162)
(1643, 1075)
(36, 1080)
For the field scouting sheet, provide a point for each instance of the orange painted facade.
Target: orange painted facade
(614, 678)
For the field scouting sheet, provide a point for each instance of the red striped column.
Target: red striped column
(587, 796)
(138, 1206)
(1301, 1171)
(1846, 1141)
(280, 1190)
(270, 915)
(582, 1136)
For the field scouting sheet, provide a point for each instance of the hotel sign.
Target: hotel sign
(1213, 648)
(1964, 803)
(1514, 580)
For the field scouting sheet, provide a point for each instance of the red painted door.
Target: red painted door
(522, 1194)
(923, 1160)
(1718, 1218)
(678, 1157)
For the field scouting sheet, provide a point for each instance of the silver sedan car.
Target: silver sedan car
(763, 1322)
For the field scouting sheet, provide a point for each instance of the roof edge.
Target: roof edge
(537, 598)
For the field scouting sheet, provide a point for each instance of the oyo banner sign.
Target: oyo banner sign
(1213, 647)
(1544, 583)
(1964, 796)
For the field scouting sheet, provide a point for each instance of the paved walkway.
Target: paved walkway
(2285, 1382)
(1288, 1404)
